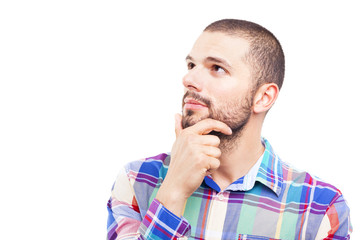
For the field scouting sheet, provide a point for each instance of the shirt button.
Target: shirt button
(221, 196)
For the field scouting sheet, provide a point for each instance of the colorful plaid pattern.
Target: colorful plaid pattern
(283, 203)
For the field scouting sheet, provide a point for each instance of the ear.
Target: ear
(265, 97)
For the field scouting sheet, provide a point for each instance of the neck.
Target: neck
(239, 153)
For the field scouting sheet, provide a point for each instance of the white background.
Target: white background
(87, 86)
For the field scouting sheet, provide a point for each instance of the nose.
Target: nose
(192, 80)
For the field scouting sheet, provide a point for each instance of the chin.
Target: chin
(191, 119)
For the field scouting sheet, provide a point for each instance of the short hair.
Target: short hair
(265, 57)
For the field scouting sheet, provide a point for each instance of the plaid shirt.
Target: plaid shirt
(273, 201)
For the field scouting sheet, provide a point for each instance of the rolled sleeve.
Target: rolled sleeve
(336, 222)
(125, 221)
(160, 223)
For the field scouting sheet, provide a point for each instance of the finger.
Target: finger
(211, 151)
(178, 126)
(207, 125)
(209, 140)
(214, 164)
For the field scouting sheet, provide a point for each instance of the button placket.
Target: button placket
(221, 196)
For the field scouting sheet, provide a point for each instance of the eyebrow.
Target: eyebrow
(188, 57)
(212, 59)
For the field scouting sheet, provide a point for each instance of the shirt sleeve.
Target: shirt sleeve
(336, 222)
(125, 221)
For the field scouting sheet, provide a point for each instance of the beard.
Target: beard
(234, 114)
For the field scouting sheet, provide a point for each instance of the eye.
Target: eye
(190, 65)
(218, 69)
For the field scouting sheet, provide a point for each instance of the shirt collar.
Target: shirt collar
(267, 170)
(270, 172)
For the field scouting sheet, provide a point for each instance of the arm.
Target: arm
(336, 222)
(194, 155)
(125, 221)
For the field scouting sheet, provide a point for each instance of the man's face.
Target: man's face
(218, 84)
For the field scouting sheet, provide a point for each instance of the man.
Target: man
(222, 180)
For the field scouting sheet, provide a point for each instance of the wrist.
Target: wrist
(172, 199)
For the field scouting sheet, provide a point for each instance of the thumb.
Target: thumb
(178, 125)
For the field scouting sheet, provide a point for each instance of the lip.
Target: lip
(190, 103)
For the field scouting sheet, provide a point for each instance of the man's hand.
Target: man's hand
(193, 156)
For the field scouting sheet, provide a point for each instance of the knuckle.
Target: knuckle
(216, 163)
(216, 140)
(202, 160)
(217, 152)
(199, 164)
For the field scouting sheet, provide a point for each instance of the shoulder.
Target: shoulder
(310, 187)
(147, 168)
(322, 203)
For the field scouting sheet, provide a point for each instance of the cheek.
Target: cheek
(226, 96)
(227, 87)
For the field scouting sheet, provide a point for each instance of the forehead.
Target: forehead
(217, 44)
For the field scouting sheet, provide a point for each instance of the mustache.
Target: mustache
(197, 97)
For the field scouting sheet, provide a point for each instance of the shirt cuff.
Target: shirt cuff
(160, 223)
